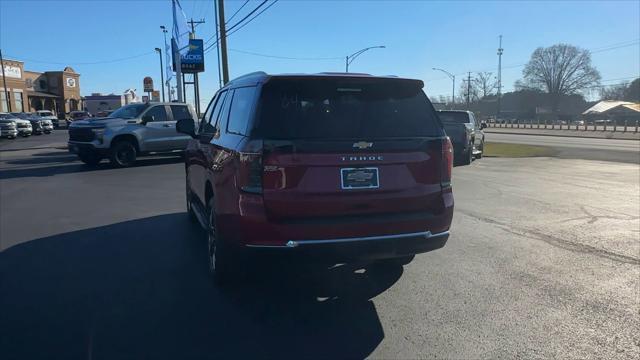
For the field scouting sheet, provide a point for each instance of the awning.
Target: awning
(41, 94)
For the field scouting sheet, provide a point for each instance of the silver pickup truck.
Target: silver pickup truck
(132, 130)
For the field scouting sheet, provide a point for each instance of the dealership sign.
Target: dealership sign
(12, 72)
(147, 82)
(193, 60)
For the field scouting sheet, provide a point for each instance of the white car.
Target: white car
(24, 126)
(47, 114)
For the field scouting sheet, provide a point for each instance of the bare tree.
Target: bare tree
(615, 92)
(560, 70)
(485, 83)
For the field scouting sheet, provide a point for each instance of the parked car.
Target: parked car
(78, 115)
(130, 131)
(23, 126)
(48, 115)
(338, 167)
(8, 128)
(104, 113)
(465, 132)
(37, 124)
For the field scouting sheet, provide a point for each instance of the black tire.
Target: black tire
(90, 158)
(403, 260)
(219, 255)
(123, 154)
(467, 157)
(479, 156)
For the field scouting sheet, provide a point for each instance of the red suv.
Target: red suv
(336, 166)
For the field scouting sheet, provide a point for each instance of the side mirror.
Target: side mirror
(146, 119)
(186, 126)
(483, 125)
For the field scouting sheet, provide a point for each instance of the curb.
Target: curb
(554, 135)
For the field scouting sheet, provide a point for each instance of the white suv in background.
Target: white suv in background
(48, 115)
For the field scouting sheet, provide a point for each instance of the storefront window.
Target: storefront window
(3, 101)
(18, 99)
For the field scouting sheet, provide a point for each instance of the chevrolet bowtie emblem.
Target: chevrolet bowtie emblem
(363, 145)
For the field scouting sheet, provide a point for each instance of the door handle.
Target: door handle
(216, 167)
(166, 125)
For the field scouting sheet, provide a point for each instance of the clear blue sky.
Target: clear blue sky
(419, 35)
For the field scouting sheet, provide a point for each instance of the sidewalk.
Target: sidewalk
(566, 133)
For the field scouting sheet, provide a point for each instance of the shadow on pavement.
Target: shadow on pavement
(140, 289)
(71, 165)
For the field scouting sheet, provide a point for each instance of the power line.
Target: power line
(237, 11)
(208, 48)
(86, 63)
(249, 14)
(285, 57)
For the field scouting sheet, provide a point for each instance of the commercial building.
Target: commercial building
(58, 91)
(97, 102)
(614, 111)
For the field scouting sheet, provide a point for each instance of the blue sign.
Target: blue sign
(193, 60)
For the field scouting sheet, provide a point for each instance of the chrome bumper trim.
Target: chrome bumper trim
(295, 243)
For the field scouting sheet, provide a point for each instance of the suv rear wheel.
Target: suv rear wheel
(467, 157)
(123, 154)
(219, 254)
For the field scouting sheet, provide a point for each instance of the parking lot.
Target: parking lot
(543, 261)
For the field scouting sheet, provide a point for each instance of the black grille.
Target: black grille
(23, 125)
(85, 135)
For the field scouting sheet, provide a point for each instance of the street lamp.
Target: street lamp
(349, 59)
(453, 88)
(161, 72)
(164, 32)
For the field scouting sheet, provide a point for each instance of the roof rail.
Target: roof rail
(343, 73)
(255, 73)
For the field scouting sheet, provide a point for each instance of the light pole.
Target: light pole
(164, 32)
(349, 59)
(453, 88)
(161, 72)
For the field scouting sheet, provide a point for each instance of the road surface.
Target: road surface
(543, 261)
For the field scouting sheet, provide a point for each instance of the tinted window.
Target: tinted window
(129, 111)
(223, 114)
(456, 117)
(159, 113)
(180, 112)
(211, 116)
(240, 112)
(345, 108)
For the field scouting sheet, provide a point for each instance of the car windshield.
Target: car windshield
(345, 109)
(453, 117)
(45, 113)
(129, 111)
(8, 116)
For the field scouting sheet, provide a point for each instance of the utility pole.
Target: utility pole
(215, 9)
(196, 82)
(4, 81)
(223, 43)
(468, 89)
(500, 51)
(161, 73)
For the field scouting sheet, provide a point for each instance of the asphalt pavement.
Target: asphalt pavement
(543, 261)
(578, 148)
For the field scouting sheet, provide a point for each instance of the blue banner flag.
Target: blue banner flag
(180, 28)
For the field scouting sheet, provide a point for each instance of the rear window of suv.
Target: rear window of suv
(455, 117)
(328, 108)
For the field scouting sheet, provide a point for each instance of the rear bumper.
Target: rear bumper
(359, 248)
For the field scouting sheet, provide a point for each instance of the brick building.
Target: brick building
(58, 91)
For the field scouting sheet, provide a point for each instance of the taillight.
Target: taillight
(447, 163)
(250, 173)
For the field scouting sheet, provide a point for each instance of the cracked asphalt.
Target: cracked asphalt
(543, 261)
